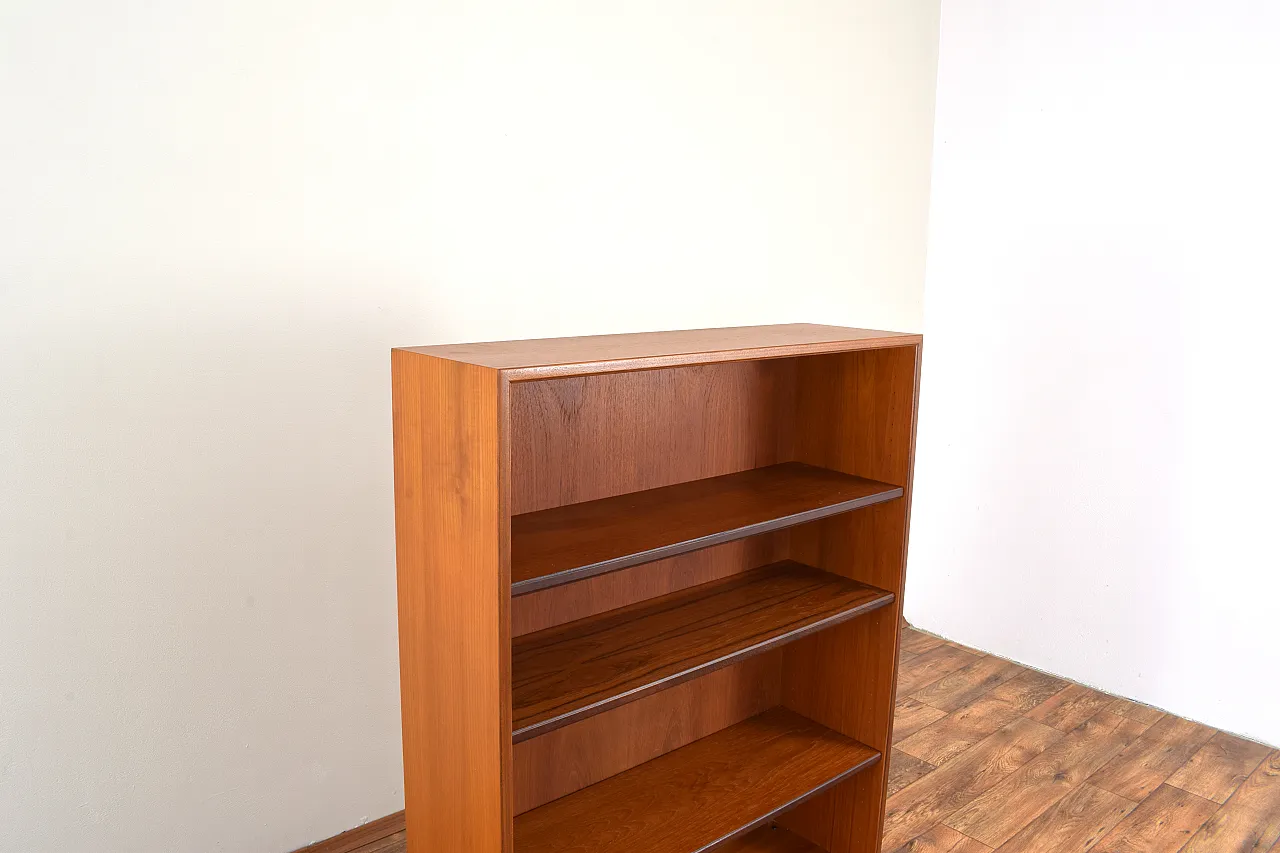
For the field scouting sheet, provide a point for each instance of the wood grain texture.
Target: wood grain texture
(652, 428)
(941, 839)
(1151, 759)
(586, 438)
(1219, 768)
(1006, 808)
(1030, 689)
(931, 666)
(770, 839)
(859, 412)
(916, 642)
(562, 544)
(578, 755)
(910, 716)
(689, 800)
(943, 740)
(451, 569)
(395, 843)
(1163, 823)
(905, 769)
(1069, 708)
(1074, 824)
(552, 357)
(970, 845)
(1136, 711)
(959, 688)
(1250, 820)
(566, 673)
(959, 782)
(592, 596)
(385, 833)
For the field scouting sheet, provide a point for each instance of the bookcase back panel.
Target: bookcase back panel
(558, 605)
(571, 758)
(590, 437)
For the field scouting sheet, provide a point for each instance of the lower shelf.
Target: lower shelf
(703, 794)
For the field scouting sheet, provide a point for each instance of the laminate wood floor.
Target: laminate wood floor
(991, 756)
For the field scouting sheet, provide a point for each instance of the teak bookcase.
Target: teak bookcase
(650, 588)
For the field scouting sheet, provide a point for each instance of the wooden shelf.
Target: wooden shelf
(700, 795)
(568, 543)
(771, 839)
(705, 734)
(568, 673)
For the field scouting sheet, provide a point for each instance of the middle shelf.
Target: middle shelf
(564, 674)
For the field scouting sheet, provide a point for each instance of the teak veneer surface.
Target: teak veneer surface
(563, 544)
(696, 797)
(771, 839)
(591, 750)
(454, 605)
(533, 359)
(564, 674)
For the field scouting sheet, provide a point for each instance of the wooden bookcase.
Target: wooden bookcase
(650, 588)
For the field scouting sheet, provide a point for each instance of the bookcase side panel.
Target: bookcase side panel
(855, 413)
(453, 580)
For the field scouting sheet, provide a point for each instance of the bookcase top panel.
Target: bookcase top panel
(548, 357)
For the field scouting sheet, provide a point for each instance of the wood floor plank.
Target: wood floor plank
(1250, 820)
(905, 769)
(930, 800)
(1069, 708)
(1073, 824)
(376, 836)
(1218, 769)
(395, 843)
(938, 839)
(943, 740)
(1162, 823)
(917, 642)
(1136, 711)
(1029, 689)
(1006, 808)
(930, 666)
(910, 716)
(971, 845)
(959, 688)
(1152, 758)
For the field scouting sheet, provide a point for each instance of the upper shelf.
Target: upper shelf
(701, 795)
(551, 357)
(568, 543)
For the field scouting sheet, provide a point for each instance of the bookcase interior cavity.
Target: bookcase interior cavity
(700, 571)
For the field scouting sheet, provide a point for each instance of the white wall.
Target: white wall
(1096, 488)
(215, 220)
